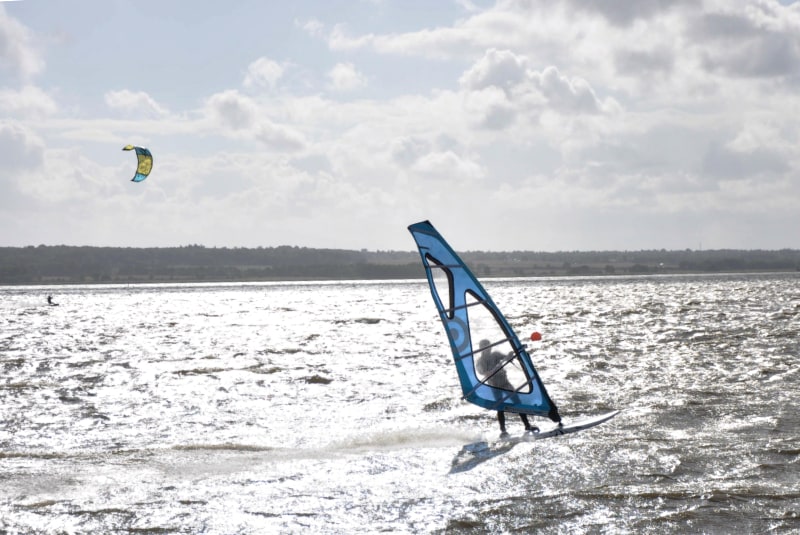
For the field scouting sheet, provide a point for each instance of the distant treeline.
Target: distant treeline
(196, 263)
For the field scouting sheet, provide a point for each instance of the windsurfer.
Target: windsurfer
(50, 300)
(491, 365)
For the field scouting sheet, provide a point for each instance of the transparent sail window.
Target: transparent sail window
(442, 284)
(492, 348)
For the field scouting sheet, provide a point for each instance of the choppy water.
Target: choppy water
(335, 408)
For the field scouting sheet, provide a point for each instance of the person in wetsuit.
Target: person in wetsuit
(487, 362)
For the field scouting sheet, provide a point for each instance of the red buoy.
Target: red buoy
(536, 336)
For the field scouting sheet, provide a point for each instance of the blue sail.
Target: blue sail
(493, 367)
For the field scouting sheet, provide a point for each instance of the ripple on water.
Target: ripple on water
(228, 408)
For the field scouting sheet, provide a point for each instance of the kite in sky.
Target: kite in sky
(145, 162)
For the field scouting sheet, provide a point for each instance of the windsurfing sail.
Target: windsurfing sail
(145, 164)
(494, 368)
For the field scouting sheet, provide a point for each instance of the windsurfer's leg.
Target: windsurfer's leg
(524, 418)
(501, 419)
(528, 426)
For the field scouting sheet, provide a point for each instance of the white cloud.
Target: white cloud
(622, 13)
(245, 118)
(447, 166)
(134, 102)
(263, 73)
(20, 148)
(18, 50)
(760, 134)
(22, 153)
(68, 175)
(407, 150)
(615, 45)
(30, 101)
(345, 77)
(725, 162)
(638, 62)
(565, 94)
(491, 108)
(279, 137)
(438, 43)
(607, 115)
(467, 5)
(232, 109)
(313, 27)
(762, 40)
(499, 87)
(500, 68)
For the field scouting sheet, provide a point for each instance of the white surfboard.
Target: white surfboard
(555, 430)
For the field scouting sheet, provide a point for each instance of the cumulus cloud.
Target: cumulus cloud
(566, 94)
(18, 50)
(67, 175)
(30, 101)
(726, 162)
(313, 27)
(623, 12)
(762, 41)
(499, 68)
(134, 102)
(638, 62)
(20, 149)
(242, 117)
(491, 108)
(438, 157)
(447, 166)
(263, 73)
(467, 5)
(499, 87)
(407, 150)
(279, 137)
(345, 77)
(522, 103)
(22, 153)
(232, 109)
(619, 45)
(768, 55)
(438, 43)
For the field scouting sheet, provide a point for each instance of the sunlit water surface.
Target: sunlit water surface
(334, 408)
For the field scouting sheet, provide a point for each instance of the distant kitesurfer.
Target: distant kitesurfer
(486, 365)
(50, 300)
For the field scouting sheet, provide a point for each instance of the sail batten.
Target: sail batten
(450, 266)
(449, 311)
(482, 342)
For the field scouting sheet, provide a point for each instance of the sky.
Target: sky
(509, 124)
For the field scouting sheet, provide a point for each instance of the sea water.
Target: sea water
(335, 408)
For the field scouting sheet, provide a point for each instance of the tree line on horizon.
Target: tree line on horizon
(63, 264)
